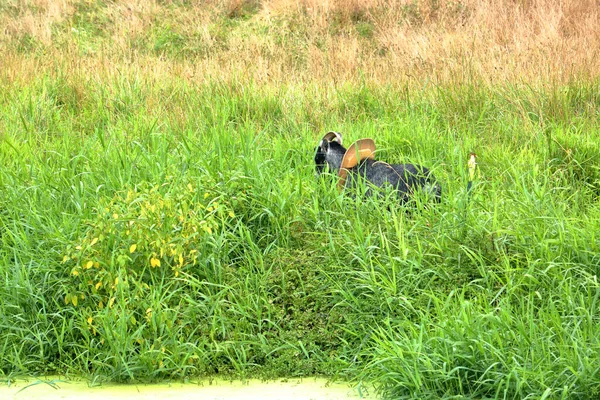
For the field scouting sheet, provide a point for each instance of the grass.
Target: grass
(245, 265)
(160, 217)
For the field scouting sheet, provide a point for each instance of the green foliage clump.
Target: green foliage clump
(136, 232)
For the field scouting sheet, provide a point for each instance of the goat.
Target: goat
(358, 163)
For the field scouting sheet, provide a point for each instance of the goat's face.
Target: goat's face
(320, 158)
(329, 153)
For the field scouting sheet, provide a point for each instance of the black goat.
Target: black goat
(358, 163)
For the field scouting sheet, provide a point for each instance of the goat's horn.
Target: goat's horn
(333, 135)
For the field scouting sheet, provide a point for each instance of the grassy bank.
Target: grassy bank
(165, 230)
(160, 218)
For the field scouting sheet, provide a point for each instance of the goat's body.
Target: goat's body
(404, 178)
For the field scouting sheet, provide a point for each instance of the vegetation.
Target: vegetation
(160, 218)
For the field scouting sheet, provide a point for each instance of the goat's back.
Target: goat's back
(405, 178)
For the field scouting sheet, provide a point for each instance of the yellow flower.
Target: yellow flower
(89, 264)
(75, 272)
(132, 248)
(94, 241)
(231, 214)
(65, 259)
(98, 285)
(89, 320)
(154, 262)
(115, 216)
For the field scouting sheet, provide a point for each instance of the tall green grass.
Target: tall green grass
(266, 271)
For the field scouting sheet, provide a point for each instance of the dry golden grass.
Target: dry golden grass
(491, 41)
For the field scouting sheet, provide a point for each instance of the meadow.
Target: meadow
(160, 218)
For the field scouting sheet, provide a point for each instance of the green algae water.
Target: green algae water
(298, 389)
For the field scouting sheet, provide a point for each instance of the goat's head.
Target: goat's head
(330, 152)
